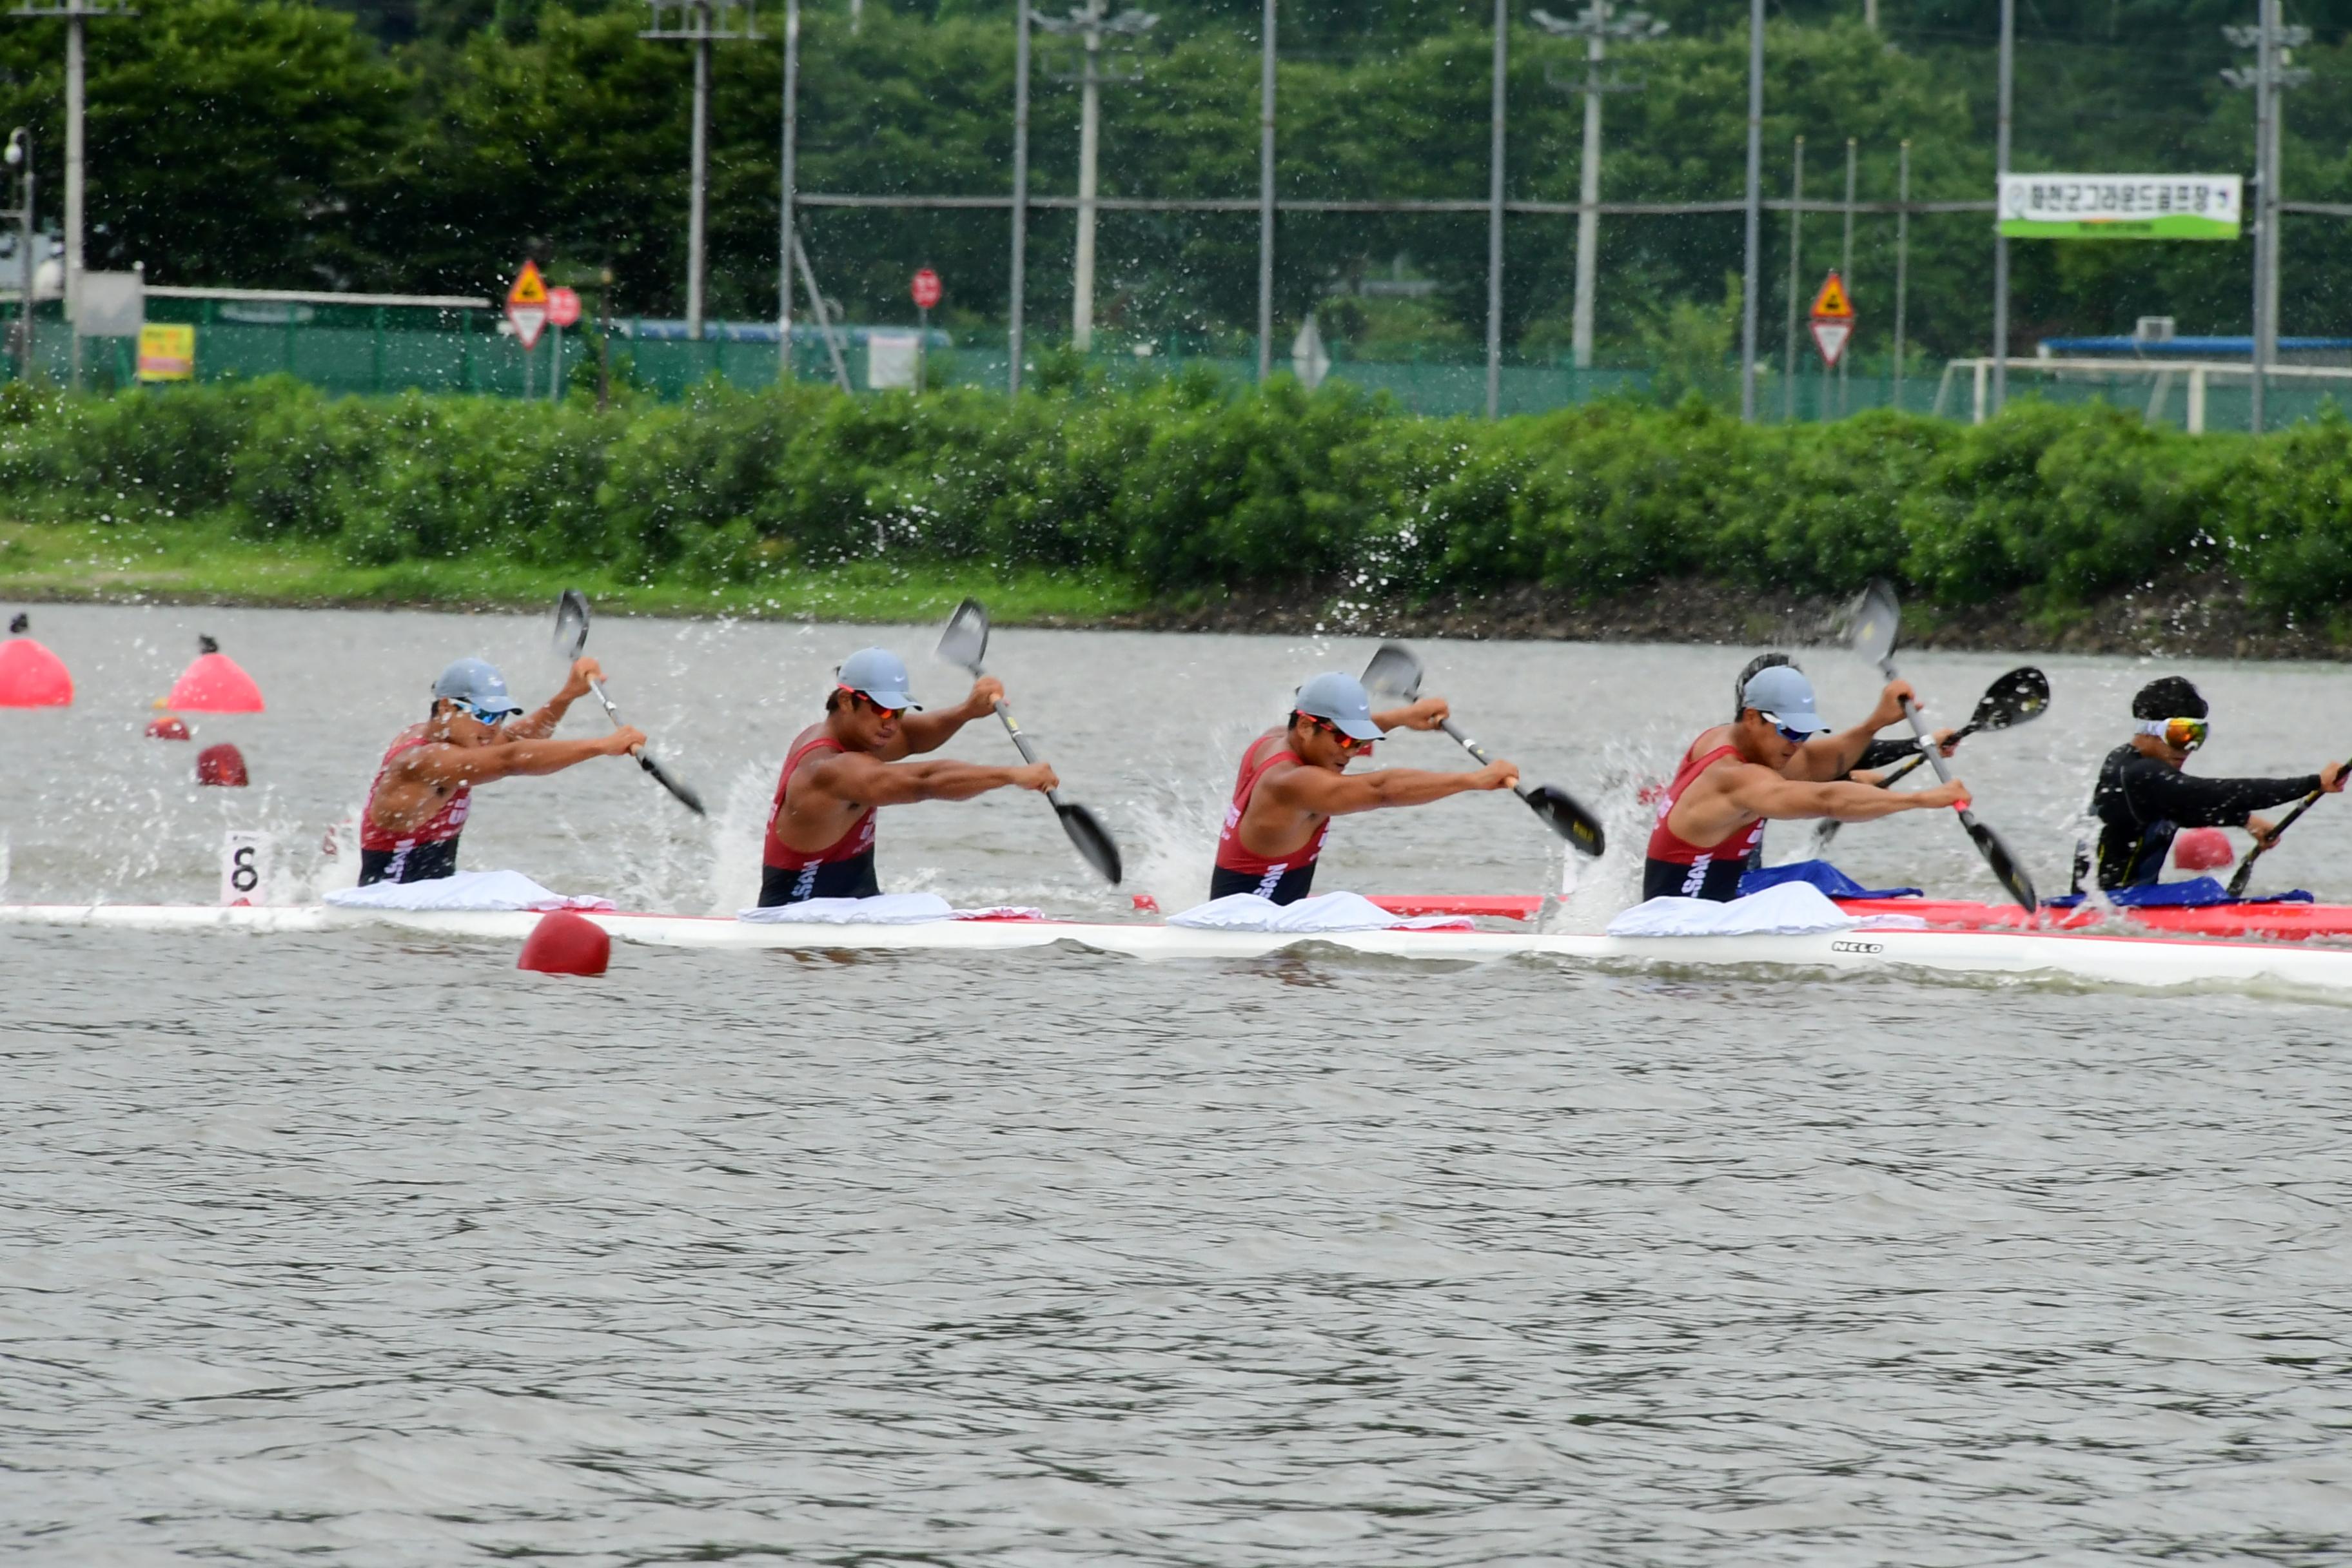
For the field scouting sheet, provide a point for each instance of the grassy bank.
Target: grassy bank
(212, 563)
(1173, 501)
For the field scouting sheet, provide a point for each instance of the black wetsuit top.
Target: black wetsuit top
(1287, 887)
(2141, 801)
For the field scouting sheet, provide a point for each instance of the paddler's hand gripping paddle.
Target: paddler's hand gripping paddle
(1876, 619)
(2022, 694)
(965, 644)
(2245, 872)
(571, 638)
(1396, 671)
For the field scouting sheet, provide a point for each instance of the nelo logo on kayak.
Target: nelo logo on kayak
(1857, 947)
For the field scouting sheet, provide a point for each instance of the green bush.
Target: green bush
(1194, 489)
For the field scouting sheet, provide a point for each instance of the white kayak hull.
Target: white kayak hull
(2140, 962)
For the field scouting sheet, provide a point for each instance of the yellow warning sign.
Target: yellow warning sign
(530, 288)
(1830, 305)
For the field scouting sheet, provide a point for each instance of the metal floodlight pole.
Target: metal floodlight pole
(76, 14)
(702, 24)
(1796, 282)
(1901, 258)
(1090, 27)
(1595, 25)
(1495, 213)
(2270, 75)
(1265, 198)
(788, 189)
(1845, 272)
(2007, 94)
(1752, 261)
(20, 154)
(1019, 198)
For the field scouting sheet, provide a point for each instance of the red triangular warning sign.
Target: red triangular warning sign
(530, 288)
(1831, 303)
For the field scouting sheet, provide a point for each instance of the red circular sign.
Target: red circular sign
(562, 306)
(927, 289)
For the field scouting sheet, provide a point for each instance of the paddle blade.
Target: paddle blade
(965, 642)
(675, 785)
(2022, 694)
(2006, 869)
(1394, 670)
(1876, 618)
(1564, 814)
(1094, 845)
(571, 624)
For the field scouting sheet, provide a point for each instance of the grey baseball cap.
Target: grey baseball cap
(1343, 701)
(880, 674)
(477, 683)
(1783, 692)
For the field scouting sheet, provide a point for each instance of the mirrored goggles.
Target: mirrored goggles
(1346, 743)
(884, 714)
(493, 717)
(2181, 734)
(1794, 737)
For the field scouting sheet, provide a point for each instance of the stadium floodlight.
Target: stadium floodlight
(1092, 28)
(1597, 23)
(2270, 74)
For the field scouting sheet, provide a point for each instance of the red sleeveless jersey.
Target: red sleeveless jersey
(856, 840)
(1231, 854)
(445, 823)
(1672, 848)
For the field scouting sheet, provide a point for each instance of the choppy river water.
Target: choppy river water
(366, 1248)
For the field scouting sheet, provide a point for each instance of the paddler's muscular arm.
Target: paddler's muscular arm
(1759, 792)
(856, 779)
(1327, 793)
(1833, 756)
(540, 725)
(480, 764)
(928, 731)
(1426, 714)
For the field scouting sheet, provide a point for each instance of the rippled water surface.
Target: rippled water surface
(367, 1248)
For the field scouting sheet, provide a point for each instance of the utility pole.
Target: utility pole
(1495, 212)
(1595, 26)
(787, 192)
(2270, 75)
(1902, 258)
(1090, 26)
(1265, 198)
(1013, 321)
(76, 14)
(1796, 282)
(703, 24)
(1751, 262)
(2001, 171)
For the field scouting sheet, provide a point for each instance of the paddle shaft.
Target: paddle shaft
(615, 715)
(1911, 764)
(1004, 711)
(1934, 753)
(1478, 752)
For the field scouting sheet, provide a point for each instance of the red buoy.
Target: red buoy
(222, 764)
(170, 727)
(213, 683)
(2202, 849)
(565, 944)
(30, 674)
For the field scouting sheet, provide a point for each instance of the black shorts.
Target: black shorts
(417, 863)
(1286, 888)
(851, 878)
(1717, 881)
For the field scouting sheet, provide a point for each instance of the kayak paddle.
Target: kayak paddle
(965, 643)
(2022, 694)
(1876, 619)
(1396, 671)
(570, 637)
(2245, 870)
